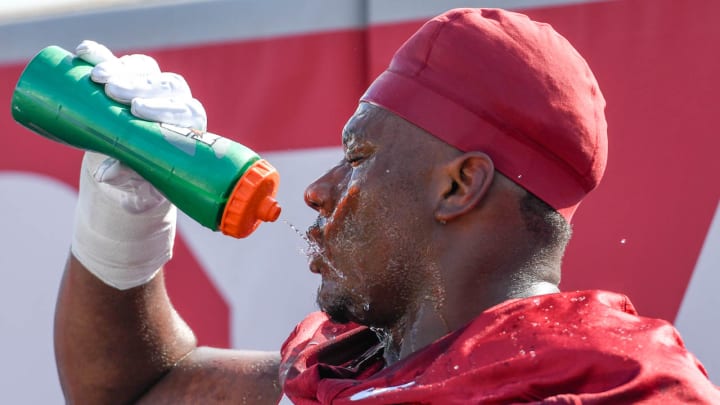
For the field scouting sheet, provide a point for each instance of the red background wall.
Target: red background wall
(640, 232)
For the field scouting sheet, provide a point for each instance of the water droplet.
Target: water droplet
(297, 231)
(366, 306)
(623, 241)
(519, 176)
(387, 171)
(456, 367)
(522, 352)
(521, 317)
(532, 353)
(312, 247)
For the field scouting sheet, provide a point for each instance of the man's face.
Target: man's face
(370, 242)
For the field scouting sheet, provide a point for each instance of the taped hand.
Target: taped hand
(124, 228)
(136, 80)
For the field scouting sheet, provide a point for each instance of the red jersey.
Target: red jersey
(586, 347)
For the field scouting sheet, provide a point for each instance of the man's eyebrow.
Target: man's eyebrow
(349, 135)
(345, 136)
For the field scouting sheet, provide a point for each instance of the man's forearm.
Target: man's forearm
(111, 346)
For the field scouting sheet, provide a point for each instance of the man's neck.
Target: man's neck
(430, 322)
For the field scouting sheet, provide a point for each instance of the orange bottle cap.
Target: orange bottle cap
(251, 201)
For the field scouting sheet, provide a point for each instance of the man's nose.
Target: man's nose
(321, 194)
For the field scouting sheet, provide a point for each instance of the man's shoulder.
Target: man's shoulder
(581, 342)
(590, 320)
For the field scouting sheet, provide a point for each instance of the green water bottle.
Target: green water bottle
(220, 183)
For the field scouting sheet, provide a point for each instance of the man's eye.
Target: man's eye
(354, 160)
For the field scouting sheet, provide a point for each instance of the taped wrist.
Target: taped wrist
(121, 248)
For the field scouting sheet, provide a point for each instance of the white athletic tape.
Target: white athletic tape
(184, 112)
(123, 248)
(93, 53)
(124, 228)
(134, 65)
(124, 87)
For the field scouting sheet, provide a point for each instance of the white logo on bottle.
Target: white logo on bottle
(186, 139)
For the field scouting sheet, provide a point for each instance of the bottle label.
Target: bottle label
(187, 139)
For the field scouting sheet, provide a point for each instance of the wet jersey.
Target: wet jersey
(586, 347)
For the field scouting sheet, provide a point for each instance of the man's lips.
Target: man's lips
(316, 264)
(315, 230)
(314, 237)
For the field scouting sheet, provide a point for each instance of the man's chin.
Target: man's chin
(337, 316)
(337, 310)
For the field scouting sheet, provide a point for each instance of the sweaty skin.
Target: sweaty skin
(413, 238)
(117, 347)
(398, 240)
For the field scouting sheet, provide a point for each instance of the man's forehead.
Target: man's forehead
(373, 123)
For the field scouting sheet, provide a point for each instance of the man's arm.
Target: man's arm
(117, 337)
(116, 346)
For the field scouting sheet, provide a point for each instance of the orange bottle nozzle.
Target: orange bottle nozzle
(268, 209)
(252, 201)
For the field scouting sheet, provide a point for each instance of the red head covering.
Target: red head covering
(495, 81)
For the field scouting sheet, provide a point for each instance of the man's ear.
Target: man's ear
(466, 180)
